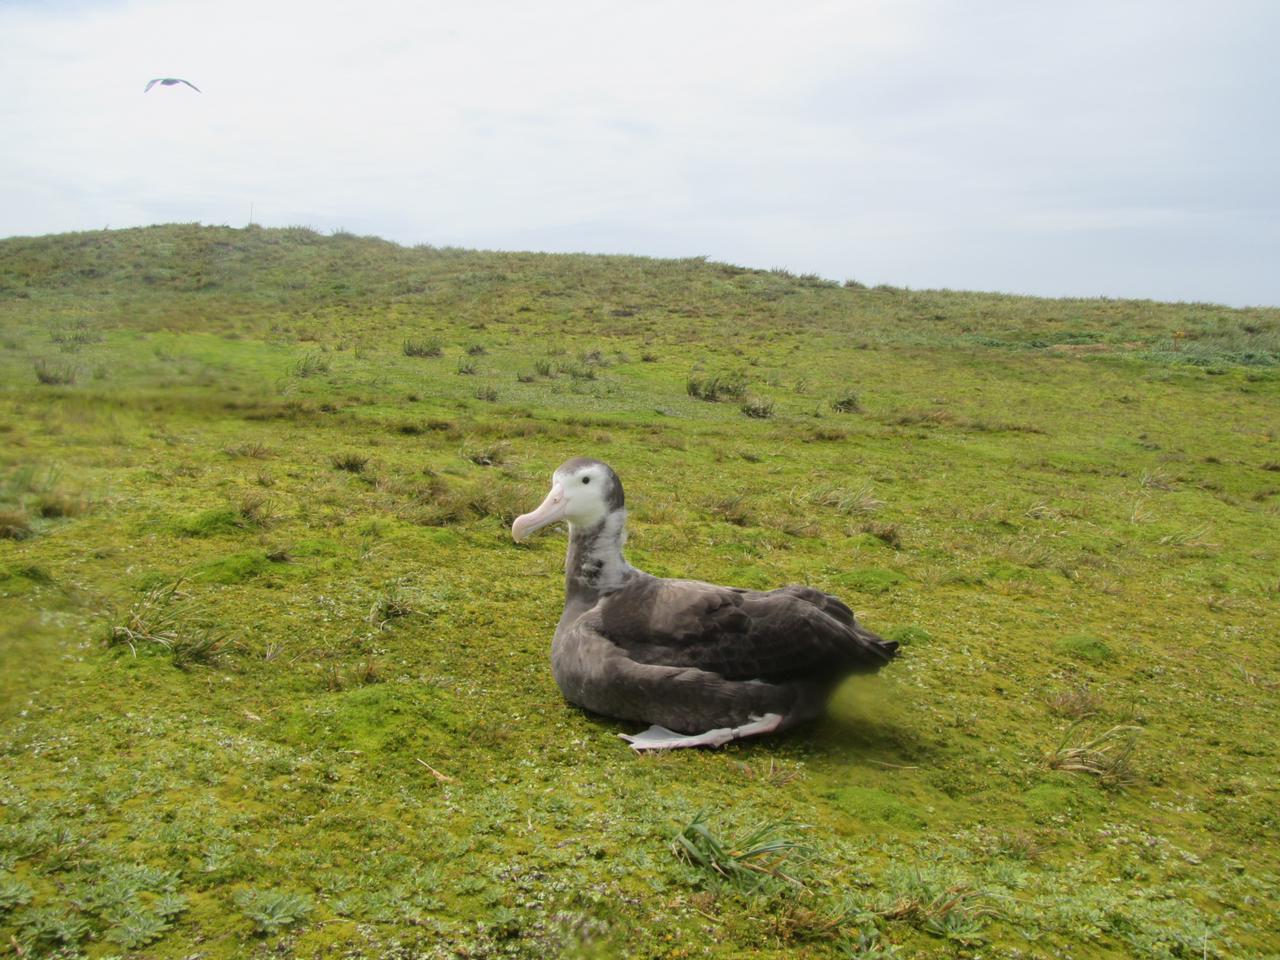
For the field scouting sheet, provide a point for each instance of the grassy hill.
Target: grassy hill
(274, 679)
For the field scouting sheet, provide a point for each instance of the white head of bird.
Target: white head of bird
(584, 492)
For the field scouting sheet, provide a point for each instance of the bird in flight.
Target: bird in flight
(169, 82)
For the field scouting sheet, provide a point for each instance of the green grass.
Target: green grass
(274, 679)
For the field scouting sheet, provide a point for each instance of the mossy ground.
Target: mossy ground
(332, 730)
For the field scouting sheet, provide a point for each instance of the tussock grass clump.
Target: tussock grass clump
(487, 394)
(57, 504)
(466, 367)
(392, 604)
(945, 418)
(886, 533)
(167, 618)
(1107, 755)
(249, 451)
(477, 350)
(846, 402)
(734, 510)
(845, 500)
(487, 455)
(15, 525)
(55, 374)
(716, 387)
(311, 364)
(1075, 703)
(349, 462)
(255, 509)
(751, 861)
(423, 348)
(758, 408)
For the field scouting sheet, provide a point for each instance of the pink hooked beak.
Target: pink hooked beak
(549, 511)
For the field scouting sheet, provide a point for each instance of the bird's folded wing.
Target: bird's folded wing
(739, 634)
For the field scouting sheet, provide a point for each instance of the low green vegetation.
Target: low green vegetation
(274, 678)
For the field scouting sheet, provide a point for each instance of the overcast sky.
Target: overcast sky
(1059, 148)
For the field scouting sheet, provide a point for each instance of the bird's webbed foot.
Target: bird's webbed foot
(660, 738)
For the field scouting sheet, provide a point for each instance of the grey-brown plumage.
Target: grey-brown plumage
(704, 664)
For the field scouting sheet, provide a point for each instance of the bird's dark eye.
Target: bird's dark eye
(586, 479)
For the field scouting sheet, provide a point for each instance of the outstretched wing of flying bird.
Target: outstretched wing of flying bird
(169, 82)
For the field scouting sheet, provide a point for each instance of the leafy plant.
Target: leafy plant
(52, 926)
(137, 928)
(13, 892)
(273, 910)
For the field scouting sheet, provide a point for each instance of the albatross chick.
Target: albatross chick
(703, 664)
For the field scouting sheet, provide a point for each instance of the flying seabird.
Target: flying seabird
(704, 664)
(169, 82)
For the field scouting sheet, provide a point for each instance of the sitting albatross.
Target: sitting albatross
(704, 664)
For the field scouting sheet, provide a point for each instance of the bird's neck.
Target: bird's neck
(595, 565)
